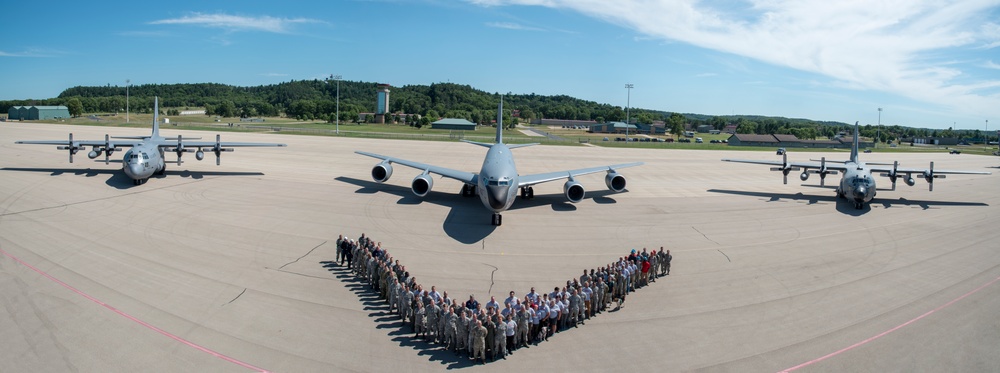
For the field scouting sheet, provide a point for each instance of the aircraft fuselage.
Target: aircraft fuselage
(498, 182)
(857, 185)
(142, 161)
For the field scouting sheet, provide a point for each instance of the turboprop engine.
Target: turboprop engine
(574, 191)
(422, 184)
(381, 172)
(614, 181)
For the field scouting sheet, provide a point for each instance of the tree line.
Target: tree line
(317, 100)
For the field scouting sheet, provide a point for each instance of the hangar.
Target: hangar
(453, 124)
(37, 112)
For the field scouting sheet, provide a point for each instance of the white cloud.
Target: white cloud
(237, 23)
(513, 26)
(32, 52)
(888, 46)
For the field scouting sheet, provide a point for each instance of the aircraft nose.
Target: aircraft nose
(497, 197)
(861, 193)
(136, 168)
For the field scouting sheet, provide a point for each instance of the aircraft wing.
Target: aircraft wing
(171, 143)
(463, 176)
(100, 143)
(922, 170)
(529, 180)
(803, 165)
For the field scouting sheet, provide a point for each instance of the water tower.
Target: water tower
(382, 107)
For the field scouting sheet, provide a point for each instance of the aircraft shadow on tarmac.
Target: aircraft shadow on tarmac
(468, 221)
(119, 180)
(391, 323)
(842, 205)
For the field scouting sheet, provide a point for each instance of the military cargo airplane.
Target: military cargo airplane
(857, 184)
(145, 157)
(498, 181)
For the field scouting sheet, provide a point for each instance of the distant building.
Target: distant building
(790, 141)
(453, 124)
(730, 129)
(37, 112)
(17, 112)
(932, 141)
(651, 129)
(562, 122)
(613, 127)
(382, 105)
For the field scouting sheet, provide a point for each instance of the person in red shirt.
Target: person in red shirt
(645, 272)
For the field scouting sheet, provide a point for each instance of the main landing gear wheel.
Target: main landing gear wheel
(527, 193)
(497, 219)
(468, 190)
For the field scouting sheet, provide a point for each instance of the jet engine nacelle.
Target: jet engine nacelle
(804, 176)
(615, 181)
(422, 184)
(909, 181)
(574, 191)
(381, 172)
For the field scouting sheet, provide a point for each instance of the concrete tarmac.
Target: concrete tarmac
(226, 268)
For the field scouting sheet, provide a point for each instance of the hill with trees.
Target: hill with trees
(317, 100)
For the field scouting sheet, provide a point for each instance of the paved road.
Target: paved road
(222, 268)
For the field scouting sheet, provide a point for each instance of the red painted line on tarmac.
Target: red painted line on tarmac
(140, 322)
(882, 334)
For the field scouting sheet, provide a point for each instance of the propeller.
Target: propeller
(72, 147)
(930, 176)
(108, 149)
(179, 149)
(823, 171)
(785, 167)
(893, 175)
(218, 149)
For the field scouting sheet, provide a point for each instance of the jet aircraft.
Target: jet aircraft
(146, 156)
(498, 182)
(857, 184)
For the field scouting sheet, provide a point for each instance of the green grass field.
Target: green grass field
(565, 136)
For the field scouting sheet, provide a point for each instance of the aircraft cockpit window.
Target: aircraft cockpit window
(145, 156)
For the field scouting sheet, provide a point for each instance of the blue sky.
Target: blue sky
(929, 64)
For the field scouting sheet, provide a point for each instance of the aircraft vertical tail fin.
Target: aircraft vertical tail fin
(854, 146)
(499, 139)
(156, 116)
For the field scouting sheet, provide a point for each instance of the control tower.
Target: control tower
(382, 108)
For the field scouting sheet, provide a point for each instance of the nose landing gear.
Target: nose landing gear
(497, 219)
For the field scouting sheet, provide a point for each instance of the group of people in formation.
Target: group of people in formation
(495, 329)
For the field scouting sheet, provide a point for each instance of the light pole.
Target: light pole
(127, 82)
(878, 131)
(337, 78)
(628, 103)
